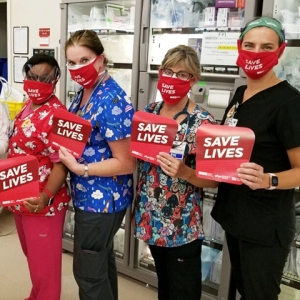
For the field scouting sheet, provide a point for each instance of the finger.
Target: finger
(36, 208)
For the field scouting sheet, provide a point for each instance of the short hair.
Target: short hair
(41, 58)
(182, 55)
(88, 39)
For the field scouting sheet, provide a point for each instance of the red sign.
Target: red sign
(19, 179)
(44, 34)
(221, 150)
(151, 134)
(70, 131)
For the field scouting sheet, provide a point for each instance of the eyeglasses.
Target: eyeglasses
(46, 78)
(180, 75)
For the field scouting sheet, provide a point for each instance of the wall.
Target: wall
(35, 14)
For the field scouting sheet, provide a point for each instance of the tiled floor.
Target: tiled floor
(15, 282)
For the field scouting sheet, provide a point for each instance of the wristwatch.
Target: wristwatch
(50, 195)
(273, 181)
(86, 170)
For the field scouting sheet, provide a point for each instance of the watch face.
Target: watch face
(274, 181)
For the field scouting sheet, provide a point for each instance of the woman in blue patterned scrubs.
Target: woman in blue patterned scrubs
(101, 180)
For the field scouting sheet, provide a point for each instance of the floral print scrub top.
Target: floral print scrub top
(31, 136)
(110, 113)
(168, 211)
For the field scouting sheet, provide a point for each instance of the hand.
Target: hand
(35, 205)
(251, 175)
(170, 165)
(67, 159)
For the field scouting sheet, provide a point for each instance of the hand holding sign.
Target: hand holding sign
(70, 132)
(221, 150)
(151, 134)
(19, 179)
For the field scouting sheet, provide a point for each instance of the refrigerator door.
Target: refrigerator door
(172, 23)
(117, 24)
(184, 22)
(288, 13)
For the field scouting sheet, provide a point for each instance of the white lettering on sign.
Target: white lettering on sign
(222, 141)
(221, 153)
(70, 129)
(15, 176)
(152, 128)
(148, 133)
(70, 125)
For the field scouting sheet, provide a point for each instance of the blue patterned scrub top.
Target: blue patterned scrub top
(110, 113)
(168, 211)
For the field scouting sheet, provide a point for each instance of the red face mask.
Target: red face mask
(172, 89)
(38, 92)
(257, 64)
(85, 75)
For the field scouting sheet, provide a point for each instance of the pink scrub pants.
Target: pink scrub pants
(41, 242)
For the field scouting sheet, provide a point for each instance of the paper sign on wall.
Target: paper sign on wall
(70, 131)
(44, 34)
(151, 134)
(221, 150)
(19, 179)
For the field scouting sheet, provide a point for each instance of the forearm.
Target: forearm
(107, 168)
(57, 178)
(286, 180)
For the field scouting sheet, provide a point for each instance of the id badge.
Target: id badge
(178, 151)
(231, 122)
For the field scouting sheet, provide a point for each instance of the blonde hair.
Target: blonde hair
(182, 55)
(88, 39)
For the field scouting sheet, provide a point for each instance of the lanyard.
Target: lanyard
(183, 112)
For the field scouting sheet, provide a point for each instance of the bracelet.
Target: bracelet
(50, 195)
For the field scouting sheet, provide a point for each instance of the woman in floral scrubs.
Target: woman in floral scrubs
(39, 221)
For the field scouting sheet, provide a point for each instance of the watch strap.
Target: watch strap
(86, 170)
(272, 187)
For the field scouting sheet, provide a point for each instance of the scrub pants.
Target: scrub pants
(257, 269)
(94, 263)
(41, 242)
(178, 271)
